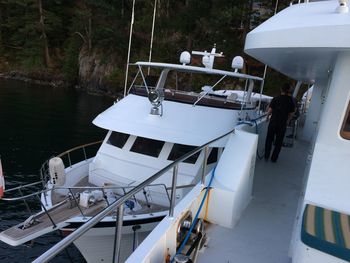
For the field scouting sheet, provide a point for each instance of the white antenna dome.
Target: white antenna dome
(237, 63)
(206, 61)
(343, 7)
(185, 58)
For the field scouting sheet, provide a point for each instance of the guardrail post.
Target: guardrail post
(206, 151)
(118, 233)
(76, 202)
(70, 162)
(173, 191)
(25, 202)
(84, 154)
(47, 212)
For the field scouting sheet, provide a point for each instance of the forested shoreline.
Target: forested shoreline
(84, 43)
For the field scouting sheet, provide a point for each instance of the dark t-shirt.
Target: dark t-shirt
(281, 106)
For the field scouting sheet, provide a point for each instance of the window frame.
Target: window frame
(344, 133)
(116, 132)
(143, 153)
(197, 155)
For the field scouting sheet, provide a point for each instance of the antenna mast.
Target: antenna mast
(152, 34)
(130, 37)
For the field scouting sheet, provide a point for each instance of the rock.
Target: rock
(95, 70)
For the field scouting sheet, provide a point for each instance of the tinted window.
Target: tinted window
(345, 131)
(213, 156)
(118, 139)
(179, 150)
(147, 146)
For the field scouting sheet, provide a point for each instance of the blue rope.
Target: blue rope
(196, 217)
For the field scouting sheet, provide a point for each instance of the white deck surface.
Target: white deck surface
(264, 231)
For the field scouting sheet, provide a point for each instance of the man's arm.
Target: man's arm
(269, 113)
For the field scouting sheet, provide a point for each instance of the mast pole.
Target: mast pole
(152, 34)
(130, 38)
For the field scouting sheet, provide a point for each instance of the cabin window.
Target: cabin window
(213, 156)
(147, 146)
(345, 130)
(118, 139)
(179, 150)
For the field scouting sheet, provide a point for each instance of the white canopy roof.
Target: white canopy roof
(180, 123)
(302, 40)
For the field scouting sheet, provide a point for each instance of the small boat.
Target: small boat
(160, 125)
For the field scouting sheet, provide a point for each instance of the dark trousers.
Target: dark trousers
(275, 133)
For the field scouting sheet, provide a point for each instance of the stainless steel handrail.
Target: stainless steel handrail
(44, 167)
(52, 252)
(23, 197)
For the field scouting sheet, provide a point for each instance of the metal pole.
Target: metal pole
(118, 233)
(276, 6)
(130, 37)
(151, 45)
(262, 83)
(25, 202)
(70, 162)
(173, 191)
(46, 212)
(206, 151)
(84, 154)
(76, 202)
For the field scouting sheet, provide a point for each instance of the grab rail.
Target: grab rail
(22, 197)
(44, 170)
(52, 252)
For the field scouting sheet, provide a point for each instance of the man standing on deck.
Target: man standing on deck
(281, 110)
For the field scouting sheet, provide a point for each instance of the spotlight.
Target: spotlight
(156, 98)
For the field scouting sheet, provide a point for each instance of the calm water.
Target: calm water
(37, 122)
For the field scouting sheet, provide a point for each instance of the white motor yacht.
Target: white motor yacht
(162, 123)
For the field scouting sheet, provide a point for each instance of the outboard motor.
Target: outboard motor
(57, 173)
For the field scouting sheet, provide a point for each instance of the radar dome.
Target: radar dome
(185, 58)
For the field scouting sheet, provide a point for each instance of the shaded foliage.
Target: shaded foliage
(79, 27)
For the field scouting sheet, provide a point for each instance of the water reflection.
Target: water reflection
(37, 122)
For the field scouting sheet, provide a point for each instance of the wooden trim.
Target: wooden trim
(343, 133)
(213, 101)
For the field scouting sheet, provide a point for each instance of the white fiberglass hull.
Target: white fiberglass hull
(97, 245)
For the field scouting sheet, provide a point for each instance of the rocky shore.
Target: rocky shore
(95, 76)
(37, 78)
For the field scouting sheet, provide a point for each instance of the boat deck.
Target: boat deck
(264, 231)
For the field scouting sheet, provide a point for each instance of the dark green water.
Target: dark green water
(37, 122)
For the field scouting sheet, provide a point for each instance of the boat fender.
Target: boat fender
(57, 172)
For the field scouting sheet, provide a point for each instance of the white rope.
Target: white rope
(130, 37)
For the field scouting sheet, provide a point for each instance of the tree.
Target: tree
(43, 34)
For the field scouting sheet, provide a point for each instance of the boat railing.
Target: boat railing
(69, 157)
(118, 204)
(74, 191)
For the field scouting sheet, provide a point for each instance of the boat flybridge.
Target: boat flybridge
(163, 139)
